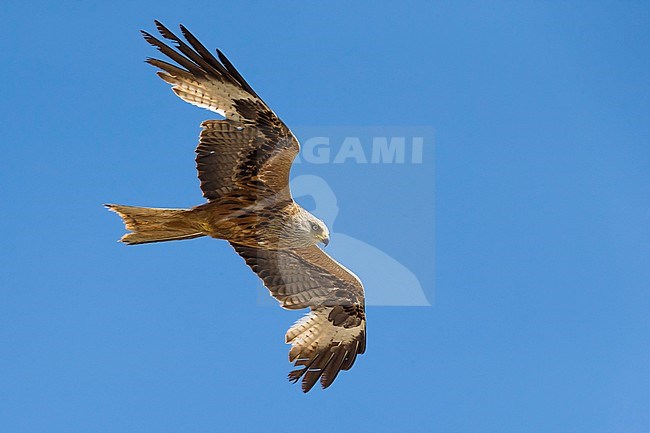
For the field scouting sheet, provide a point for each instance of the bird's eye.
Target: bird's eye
(314, 227)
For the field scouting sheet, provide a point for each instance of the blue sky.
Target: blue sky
(526, 225)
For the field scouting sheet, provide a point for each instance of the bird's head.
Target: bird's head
(312, 231)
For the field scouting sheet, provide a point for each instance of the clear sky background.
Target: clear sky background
(532, 247)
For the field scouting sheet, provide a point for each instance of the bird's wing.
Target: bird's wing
(329, 338)
(234, 158)
(252, 149)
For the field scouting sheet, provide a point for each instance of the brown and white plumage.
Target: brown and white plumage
(243, 164)
(331, 336)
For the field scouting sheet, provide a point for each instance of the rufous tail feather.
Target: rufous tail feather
(149, 225)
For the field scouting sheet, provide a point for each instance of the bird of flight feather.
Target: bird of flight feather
(243, 164)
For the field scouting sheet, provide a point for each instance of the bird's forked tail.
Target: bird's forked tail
(157, 225)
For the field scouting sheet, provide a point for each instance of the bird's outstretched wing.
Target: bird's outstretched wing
(252, 149)
(329, 338)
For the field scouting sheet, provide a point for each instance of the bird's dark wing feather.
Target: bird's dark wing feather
(231, 158)
(252, 150)
(331, 336)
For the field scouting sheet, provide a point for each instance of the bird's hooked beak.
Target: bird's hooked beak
(326, 240)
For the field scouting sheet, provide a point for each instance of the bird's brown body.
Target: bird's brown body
(243, 164)
(245, 222)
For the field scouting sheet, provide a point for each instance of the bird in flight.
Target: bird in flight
(243, 164)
